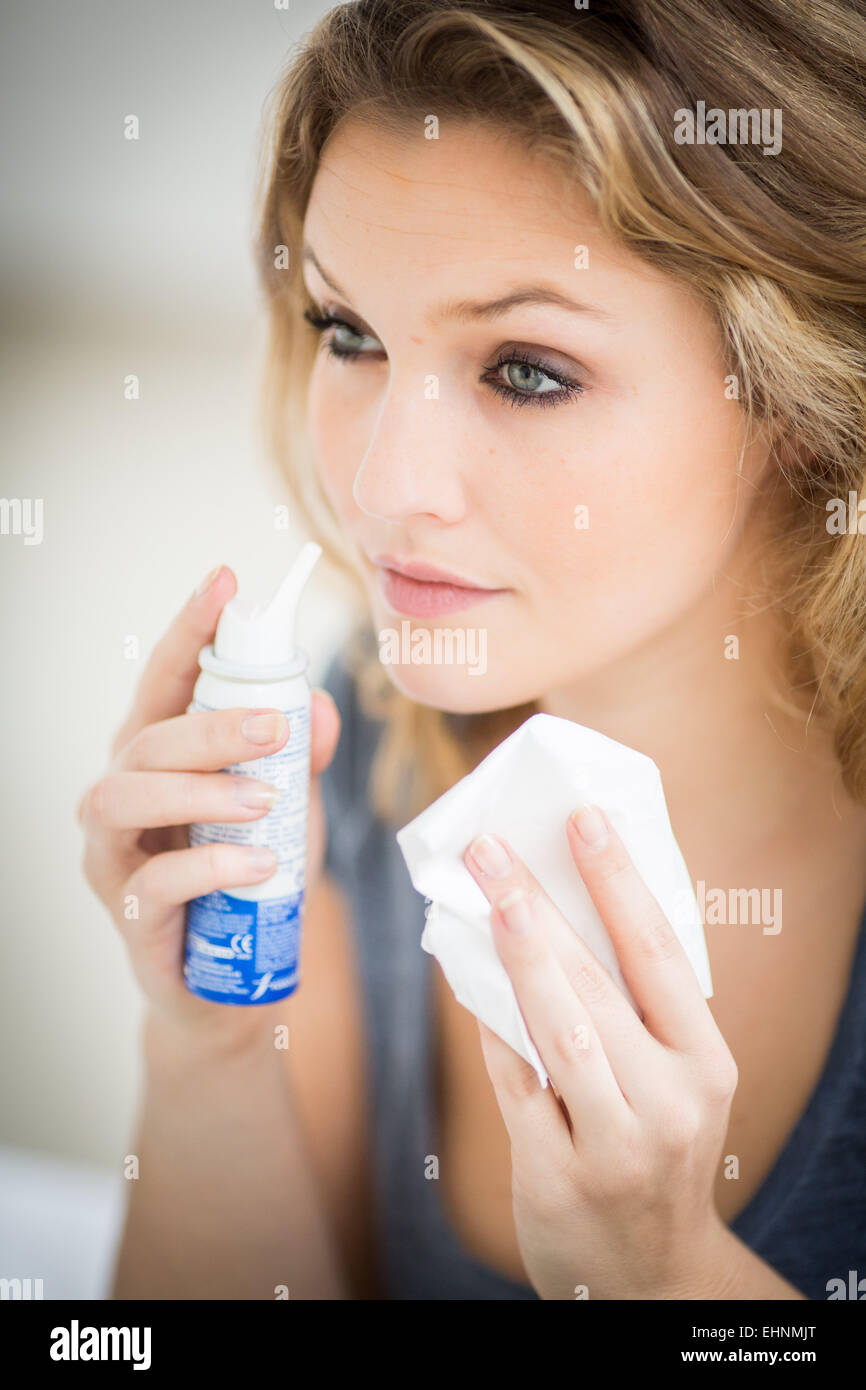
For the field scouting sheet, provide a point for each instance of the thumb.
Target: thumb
(166, 684)
(325, 729)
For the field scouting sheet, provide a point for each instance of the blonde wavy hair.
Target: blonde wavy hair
(776, 245)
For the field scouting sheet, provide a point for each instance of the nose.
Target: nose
(411, 467)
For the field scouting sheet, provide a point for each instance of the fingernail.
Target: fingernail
(590, 825)
(514, 907)
(264, 728)
(255, 795)
(491, 857)
(206, 582)
(261, 859)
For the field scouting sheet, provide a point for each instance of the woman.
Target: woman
(646, 219)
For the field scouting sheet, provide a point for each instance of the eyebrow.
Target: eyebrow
(463, 310)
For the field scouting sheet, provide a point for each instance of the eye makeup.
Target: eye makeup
(557, 388)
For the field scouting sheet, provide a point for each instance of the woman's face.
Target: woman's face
(583, 458)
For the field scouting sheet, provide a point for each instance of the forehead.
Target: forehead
(467, 162)
(472, 186)
(476, 208)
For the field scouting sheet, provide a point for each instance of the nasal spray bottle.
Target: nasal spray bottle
(243, 947)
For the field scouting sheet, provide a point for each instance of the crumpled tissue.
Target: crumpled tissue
(524, 790)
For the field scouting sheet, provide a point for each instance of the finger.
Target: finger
(177, 876)
(557, 1020)
(206, 740)
(531, 1113)
(654, 965)
(149, 910)
(325, 728)
(623, 1037)
(143, 800)
(107, 861)
(166, 684)
(209, 740)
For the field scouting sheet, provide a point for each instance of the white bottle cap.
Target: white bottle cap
(263, 634)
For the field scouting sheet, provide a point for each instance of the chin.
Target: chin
(472, 687)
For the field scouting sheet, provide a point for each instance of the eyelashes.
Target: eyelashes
(322, 321)
(568, 389)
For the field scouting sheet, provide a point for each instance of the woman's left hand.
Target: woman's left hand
(613, 1181)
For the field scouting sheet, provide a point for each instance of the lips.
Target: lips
(418, 569)
(421, 590)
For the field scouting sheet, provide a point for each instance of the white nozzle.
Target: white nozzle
(263, 634)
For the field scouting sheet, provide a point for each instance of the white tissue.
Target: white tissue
(524, 791)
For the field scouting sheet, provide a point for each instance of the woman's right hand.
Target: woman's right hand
(164, 774)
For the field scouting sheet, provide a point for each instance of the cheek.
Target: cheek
(334, 435)
(642, 514)
(676, 490)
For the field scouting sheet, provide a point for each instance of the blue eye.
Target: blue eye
(518, 387)
(532, 383)
(321, 322)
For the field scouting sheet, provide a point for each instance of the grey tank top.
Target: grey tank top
(807, 1220)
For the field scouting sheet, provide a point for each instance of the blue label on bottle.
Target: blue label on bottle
(239, 951)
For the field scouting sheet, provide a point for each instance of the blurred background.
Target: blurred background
(119, 257)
